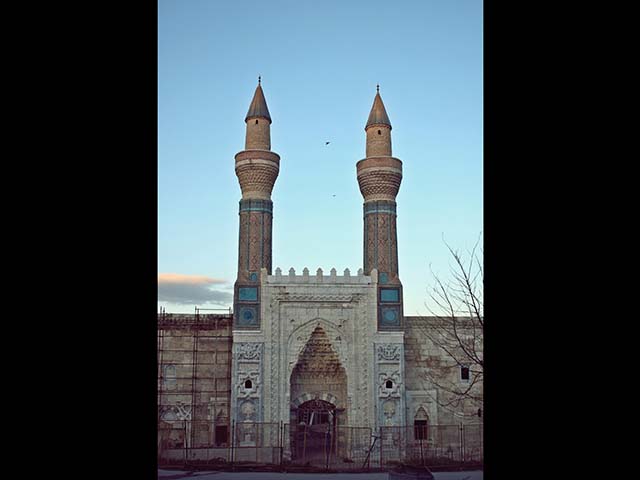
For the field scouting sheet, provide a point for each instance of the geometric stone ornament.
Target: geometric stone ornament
(388, 351)
(389, 367)
(249, 351)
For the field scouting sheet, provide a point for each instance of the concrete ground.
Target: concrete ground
(177, 475)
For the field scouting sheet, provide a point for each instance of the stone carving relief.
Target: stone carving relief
(217, 411)
(247, 428)
(425, 401)
(168, 414)
(389, 384)
(249, 351)
(179, 411)
(183, 412)
(248, 381)
(389, 351)
(302, 297)
(389, 409)
(299, 337)
(245, 378)
(390, 389)
(247, 411)
(274, 396)
(421, 414)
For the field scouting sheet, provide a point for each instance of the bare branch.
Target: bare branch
(456, 329)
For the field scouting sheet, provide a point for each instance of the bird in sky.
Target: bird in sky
(327, 143)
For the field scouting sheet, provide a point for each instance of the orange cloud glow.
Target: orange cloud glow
(180, 278)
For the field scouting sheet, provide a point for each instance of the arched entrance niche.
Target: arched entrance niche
(319, 392)
(421, 425)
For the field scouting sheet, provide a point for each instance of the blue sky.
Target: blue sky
(320, 62)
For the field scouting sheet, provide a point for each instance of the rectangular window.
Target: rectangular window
(420, 429)
(464, 373)
(221, 435)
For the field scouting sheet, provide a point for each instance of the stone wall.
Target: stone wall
(426, 363)
(194, 369)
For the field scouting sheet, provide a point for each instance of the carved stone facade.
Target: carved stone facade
(389, 385)
(307, 316)
(247, 388)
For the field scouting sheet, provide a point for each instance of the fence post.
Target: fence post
(186, 448)
(461, 443)
(381, 441)
(369, 454)
(464, 444)
(304, 443)
(327, 446)
(229, 435)
(233, 440)
(281, 441)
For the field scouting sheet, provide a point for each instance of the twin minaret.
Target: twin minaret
(379, 177)
(257, 168)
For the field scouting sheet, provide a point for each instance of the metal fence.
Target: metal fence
(328, 447)
(193, 442)
(257, 443)
(319, 447)
(431, 445)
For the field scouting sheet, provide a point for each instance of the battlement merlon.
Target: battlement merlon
(320, 278)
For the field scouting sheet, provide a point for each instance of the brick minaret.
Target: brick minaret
(257, 168)
(379, 177)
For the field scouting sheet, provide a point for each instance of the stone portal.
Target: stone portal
(319, 393)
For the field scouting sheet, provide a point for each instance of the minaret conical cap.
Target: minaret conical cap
(258, 107)
(378, 115)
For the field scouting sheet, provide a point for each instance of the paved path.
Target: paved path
(178, 475)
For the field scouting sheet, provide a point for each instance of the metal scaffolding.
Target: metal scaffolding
(194, 370)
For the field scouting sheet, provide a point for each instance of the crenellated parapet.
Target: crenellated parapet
(320, 278)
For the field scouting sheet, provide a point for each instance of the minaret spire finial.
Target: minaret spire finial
(258, 107)
(378, 114)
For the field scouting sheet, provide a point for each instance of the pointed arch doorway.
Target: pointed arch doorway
(318, 392)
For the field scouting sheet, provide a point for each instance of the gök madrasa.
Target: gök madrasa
(309, 363)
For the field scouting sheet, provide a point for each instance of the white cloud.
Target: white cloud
(191, 289)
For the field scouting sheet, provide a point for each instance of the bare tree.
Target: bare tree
(455, 331)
